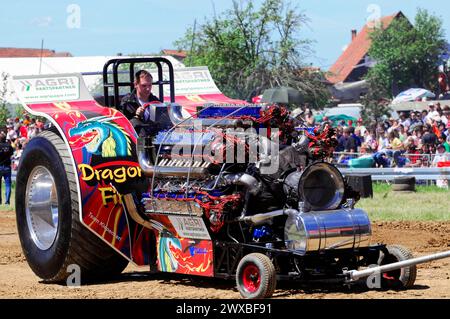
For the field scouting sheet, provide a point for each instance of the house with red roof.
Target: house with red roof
(346, 75)
(31, 53)
(180, 55)
(354, 62)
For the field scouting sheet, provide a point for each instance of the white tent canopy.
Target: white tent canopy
(413, 95)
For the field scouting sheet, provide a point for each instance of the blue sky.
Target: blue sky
(107, 27)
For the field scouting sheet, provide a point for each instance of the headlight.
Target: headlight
(321, 187)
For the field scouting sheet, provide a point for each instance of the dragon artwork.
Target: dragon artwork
(166, 244)
(100, 136)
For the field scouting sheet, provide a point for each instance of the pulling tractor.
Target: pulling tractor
(230, 190)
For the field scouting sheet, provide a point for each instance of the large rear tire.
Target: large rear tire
(48, 219)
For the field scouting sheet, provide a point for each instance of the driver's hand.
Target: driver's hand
(140, 111)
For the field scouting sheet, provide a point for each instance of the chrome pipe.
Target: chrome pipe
(358, 274)
(246, 180)
(262, 218)
(130, 206)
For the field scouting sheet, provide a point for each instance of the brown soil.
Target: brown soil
(433, 279)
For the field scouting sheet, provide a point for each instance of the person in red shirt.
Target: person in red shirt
(23, 130)
(414, 156)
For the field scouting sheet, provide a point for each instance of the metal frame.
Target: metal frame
(389, 174)
(115, 84)
(227, 256)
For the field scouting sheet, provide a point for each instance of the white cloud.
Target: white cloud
(42, 22)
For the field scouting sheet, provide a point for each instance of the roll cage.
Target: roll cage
(112, 67)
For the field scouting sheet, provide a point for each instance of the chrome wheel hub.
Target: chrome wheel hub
(41, 207)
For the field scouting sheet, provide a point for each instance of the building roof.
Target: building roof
(175, 53)
(30, 53)
(356, 51)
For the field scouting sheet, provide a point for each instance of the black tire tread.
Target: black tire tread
(403, 187)
(268, 271)
(410, 180)
(402, 253)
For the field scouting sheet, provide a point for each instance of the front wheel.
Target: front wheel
(400, 278)
(256, 276)
(48, 218)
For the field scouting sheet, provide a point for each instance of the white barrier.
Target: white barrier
(389, 174)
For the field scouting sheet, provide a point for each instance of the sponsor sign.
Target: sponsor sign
(189, 227)
(57, 88)
(190, 81)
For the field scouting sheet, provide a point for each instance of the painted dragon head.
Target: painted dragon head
(102, 137)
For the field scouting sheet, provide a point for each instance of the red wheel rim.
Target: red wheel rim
(251, 278)
(393, 275)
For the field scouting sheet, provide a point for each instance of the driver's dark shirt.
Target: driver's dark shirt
(130, 104)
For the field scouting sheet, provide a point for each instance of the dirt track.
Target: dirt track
(433, 280)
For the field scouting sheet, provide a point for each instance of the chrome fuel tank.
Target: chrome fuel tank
(325, 230)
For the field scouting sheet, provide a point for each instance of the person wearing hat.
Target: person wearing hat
(441, 155)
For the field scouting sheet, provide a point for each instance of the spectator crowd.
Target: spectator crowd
(17, 134)
(415, 139)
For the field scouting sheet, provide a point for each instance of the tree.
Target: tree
(4, 112)
(249, 49)
(376, 106)
(407, 55)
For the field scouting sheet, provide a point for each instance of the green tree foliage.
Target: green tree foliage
(249, 49)
(376, 106)
(407, 55)
(4, 113)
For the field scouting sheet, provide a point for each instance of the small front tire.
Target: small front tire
(400, 278)
(256, 276)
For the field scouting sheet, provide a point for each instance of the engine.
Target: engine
(251, 173)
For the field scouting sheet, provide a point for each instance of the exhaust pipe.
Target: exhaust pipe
(249, 182)
(149, 170)
(353, 275)
(262, 218)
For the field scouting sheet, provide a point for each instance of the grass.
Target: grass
(428, 203)
(12, 200)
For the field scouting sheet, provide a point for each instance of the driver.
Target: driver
(133, 104)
